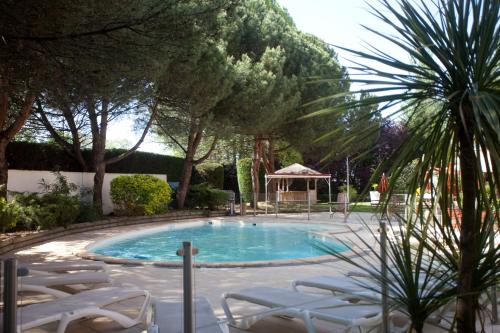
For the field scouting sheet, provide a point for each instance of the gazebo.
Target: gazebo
(296, 171)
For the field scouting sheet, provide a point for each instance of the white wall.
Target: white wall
(29, 181)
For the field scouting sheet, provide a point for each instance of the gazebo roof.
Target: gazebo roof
(297, 170)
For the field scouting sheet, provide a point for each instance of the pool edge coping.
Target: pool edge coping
(87, 254)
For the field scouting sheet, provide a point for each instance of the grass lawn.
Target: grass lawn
(360, 207)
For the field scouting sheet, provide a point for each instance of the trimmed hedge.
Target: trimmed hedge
(140, 195)
(43, 156)
(205, 197)
(211, 173)
(244, 174)
(243, 171)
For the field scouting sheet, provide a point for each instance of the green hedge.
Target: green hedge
(41, 156)
(204, 196)
(140, 195)
(212, 174)
(243, 170)
(244, 174)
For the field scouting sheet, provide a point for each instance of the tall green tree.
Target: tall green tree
(43, 42)
(190, 89)
(455, 49)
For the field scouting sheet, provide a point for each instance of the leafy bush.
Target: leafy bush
(10, 212)
(353, 193)
(212, 174)
(88, 213)
(57, 210)
(140, 195)
(56, 207)
(204, 196)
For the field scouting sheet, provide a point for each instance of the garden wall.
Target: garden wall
(29, 181)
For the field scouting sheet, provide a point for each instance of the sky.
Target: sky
(337, 22)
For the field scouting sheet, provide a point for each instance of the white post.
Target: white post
(266, 193)
(330, 195)
(346, 201)
(308, 200)
(383, 259)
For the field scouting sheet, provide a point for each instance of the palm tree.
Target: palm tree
(454, 76)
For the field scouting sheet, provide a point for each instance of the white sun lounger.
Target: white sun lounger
(284, 302)
(359, 288)
(168, 318)
(85, 304)
(65, 266)
(45, 284)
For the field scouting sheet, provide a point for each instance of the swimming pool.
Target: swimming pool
(221, 242)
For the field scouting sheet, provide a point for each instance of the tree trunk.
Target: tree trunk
(194, 139)
(4, 169)
(466, 302)
(187, 170)
(100, 171)
(255, 171)
(99, 129)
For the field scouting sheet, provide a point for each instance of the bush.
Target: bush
(10, 212)
(57, 210)
(353, 193)
(56, 207)
(212, 174)
(88, 213)
(204, 196)
(140, 195)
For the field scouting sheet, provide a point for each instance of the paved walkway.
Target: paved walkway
(166, 283)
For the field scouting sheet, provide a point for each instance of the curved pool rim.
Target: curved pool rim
(87, 253)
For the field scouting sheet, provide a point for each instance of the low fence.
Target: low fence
(29, 181)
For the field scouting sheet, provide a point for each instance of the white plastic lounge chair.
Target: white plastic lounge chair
(45, 284)
(359, 288)
(283, 302)
(374, 198)
(168, 318)
(65, 266)
(90, 303)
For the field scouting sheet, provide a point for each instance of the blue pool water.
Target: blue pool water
(223, 242)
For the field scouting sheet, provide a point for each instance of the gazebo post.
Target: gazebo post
(330, 195)
(308, 200)
(266, 192)
(346, 200)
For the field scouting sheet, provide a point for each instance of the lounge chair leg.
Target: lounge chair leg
(227, 311)
(308, 322)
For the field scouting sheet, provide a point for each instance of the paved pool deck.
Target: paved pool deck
(166, 283)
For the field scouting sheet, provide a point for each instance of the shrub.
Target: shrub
(88, 213)
(204, 196)
(212, 174)
(140, 195)
(353, 193)
(57, 210)
(10, 212)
